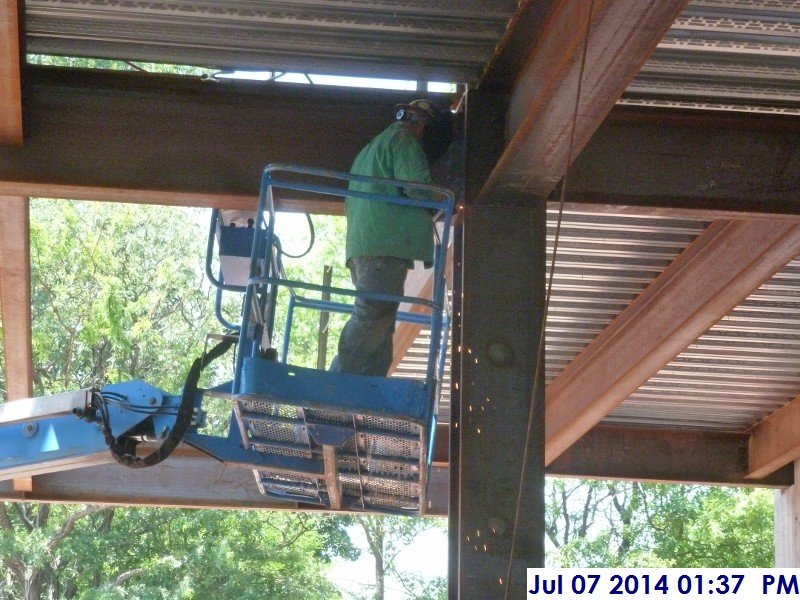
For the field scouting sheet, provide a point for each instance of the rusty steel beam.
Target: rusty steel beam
(168, 134)
(322, 205)
(606, 452)
(504, 68)
(116, 137)
(174, 483)
(581, 49)
(690, 161)
(659, 455)
(715, 273)
(775, 441)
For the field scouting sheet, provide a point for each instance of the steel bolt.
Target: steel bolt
(500, 353)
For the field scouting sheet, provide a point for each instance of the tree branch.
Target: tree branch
(5, 520)
(69, 525)
(22, 510)
(123, 577)
(288, 541)
(42, 515)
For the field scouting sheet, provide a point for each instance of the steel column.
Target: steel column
(499, 527)
(501, 323)
(15, 296)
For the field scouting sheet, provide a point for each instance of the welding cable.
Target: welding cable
(125, 452)
(312, 235)
(540, 347)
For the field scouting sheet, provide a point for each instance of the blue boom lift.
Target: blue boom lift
(336, 440)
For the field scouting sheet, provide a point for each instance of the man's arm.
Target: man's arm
(411, 164)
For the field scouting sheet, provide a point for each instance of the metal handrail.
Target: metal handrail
(275, 275)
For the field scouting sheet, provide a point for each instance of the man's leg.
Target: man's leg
(365, 346)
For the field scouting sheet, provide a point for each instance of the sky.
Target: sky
(336, 80)
(426, 556)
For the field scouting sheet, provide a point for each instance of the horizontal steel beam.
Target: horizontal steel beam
(324, 205)
(129, 137)
(660, 455)
(606, 452)
(775, 441)
(583, 53)
(169, 134)
(691, 160)
(175, 483)
(671, 313)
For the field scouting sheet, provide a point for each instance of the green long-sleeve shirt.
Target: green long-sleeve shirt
(382, 229)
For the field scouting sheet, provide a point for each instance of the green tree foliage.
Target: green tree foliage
(326, 250)
(207, 554)
(713, 526)
(118, 294)
(116, 65)
(616, 524)
(111, 302)
(92, 553)
(387, 537)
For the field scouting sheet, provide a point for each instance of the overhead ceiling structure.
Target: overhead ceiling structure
(674, 315)
(442, 40)
(725, 55)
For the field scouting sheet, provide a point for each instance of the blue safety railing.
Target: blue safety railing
(442, 202)
(384, 398)
(262, 286)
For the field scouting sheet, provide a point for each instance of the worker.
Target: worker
(383, 239)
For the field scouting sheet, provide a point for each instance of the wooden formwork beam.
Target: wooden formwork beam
(10, 82)
(15, 296)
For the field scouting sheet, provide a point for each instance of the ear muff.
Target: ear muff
(417, 110)
(426, 107)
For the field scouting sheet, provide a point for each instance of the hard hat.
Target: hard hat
(415, 110)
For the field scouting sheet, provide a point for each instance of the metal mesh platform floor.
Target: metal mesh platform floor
(369, 460)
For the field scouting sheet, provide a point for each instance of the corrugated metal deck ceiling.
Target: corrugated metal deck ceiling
(434, 40)
(738, 372)
(742, 369)
(720, 54)
(726, 55)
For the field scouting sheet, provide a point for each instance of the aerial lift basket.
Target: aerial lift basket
(338, 440)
